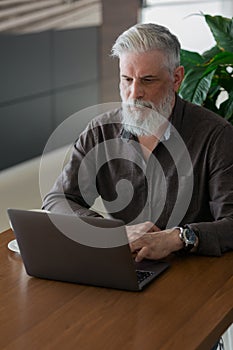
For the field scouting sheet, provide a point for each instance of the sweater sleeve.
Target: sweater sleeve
(216, 237)
(73, 191)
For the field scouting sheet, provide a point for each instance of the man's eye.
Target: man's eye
(148, 80)
(127, 79)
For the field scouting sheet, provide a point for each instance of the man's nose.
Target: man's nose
(137, 91)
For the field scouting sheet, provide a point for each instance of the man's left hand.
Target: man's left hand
(156, 245)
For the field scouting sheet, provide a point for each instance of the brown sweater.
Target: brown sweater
(188, 179)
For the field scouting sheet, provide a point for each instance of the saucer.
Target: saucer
(13, 246)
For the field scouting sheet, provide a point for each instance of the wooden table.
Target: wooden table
(186, 308)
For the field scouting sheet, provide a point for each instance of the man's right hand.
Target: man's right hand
(136, 231)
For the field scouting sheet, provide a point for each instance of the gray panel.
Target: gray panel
(25, 128)
(44, 78)
(24, 65)
(71, 101)
(75, 56)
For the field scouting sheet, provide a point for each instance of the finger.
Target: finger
(155, 228)
(136, 245)
(133, 247)
(142, 254)
(134, 254)
(151, 227)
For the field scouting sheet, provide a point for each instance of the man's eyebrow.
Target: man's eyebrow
(143, 77)
(149, 76)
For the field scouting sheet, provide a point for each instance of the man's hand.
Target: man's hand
(154, 244)
(136, 231)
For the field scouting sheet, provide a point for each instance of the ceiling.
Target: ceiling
(26, 16)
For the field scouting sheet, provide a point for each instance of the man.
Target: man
(162, 165)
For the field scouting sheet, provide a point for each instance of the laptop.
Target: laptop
(84, 250)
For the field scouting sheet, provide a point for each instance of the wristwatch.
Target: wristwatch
(188, 237)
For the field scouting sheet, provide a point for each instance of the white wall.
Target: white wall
(184, 20)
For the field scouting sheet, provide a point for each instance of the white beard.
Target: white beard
(143, 118)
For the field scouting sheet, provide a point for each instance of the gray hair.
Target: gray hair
(146, 37)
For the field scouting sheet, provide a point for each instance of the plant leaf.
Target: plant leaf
(207, 55)
(207, 75)
(222, 30)
(223, 58)
(223, 78)
(210, 101)
(226, 108)
(213, 91)
(196, 85)
(189, 59)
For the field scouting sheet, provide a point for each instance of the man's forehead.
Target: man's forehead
(148, 61)
(141, 70)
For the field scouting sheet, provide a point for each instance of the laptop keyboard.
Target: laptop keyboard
(142, 275)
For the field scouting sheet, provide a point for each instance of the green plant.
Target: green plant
(211, 73)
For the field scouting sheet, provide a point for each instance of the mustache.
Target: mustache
(140, 103)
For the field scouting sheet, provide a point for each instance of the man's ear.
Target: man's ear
(178, 77)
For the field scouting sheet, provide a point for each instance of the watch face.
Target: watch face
(190, 237)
